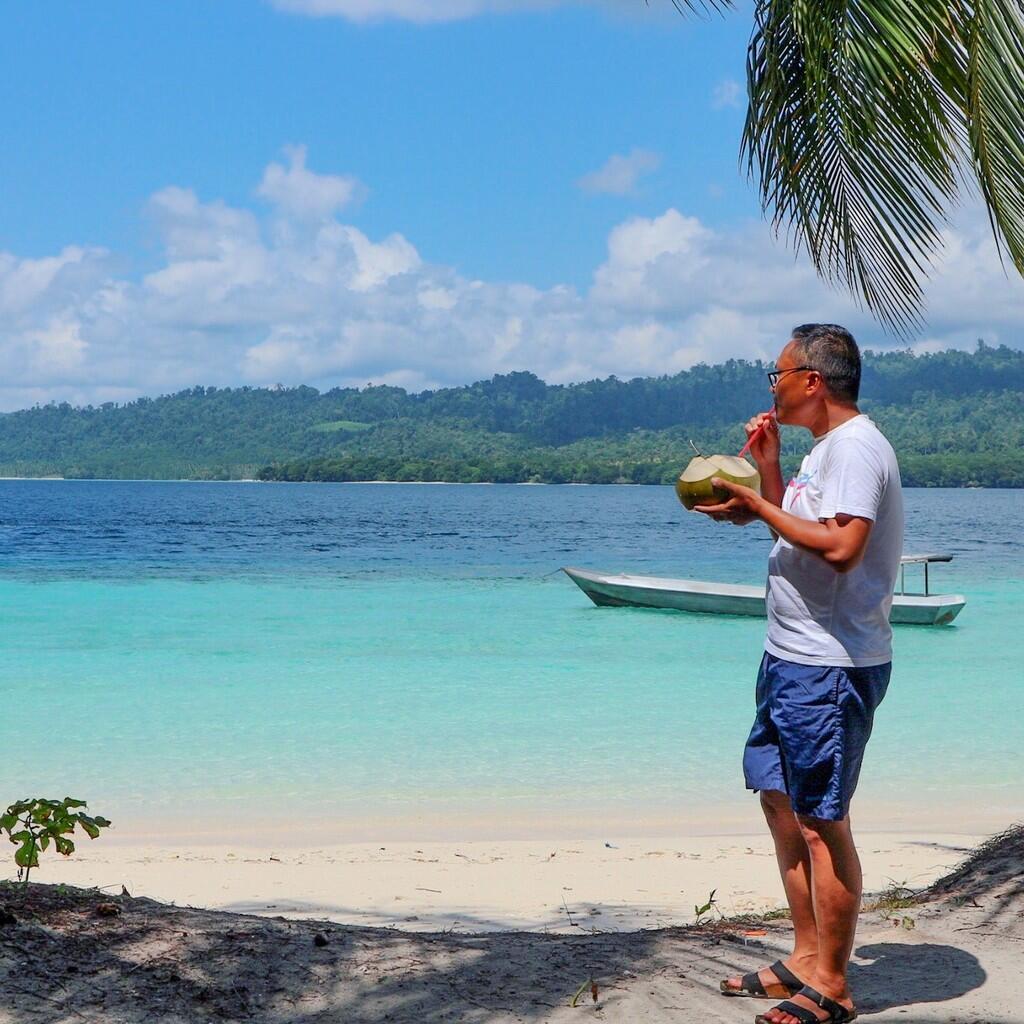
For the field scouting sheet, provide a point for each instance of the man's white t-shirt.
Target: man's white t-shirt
(817, 616)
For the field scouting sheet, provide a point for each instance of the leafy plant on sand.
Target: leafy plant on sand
(894, 899)
(702, 914)
(36, 823)
(897, 896)
(589, 985)
(866, 121)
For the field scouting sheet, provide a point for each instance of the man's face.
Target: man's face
(793, 394)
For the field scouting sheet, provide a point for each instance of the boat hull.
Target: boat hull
(732, 599)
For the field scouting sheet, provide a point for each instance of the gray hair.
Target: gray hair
(831, 350)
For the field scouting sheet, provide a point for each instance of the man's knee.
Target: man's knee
(774, 804)
(810, 829)
(819, 832)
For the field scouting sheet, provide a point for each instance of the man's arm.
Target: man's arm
(840, 541)
(772, 487)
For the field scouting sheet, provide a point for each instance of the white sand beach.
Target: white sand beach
(537, 884)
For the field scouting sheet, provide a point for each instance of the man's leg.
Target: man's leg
(795, 867)
(836, 884)
(794, 859)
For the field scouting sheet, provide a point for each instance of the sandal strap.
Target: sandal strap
(837, 1013)
(786, 976)
(801, 1013)
(752, 983)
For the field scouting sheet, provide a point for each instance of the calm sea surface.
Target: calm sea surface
(397, 658)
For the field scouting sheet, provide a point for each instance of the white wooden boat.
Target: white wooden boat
(735, 599)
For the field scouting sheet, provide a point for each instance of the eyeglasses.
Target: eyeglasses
(774, 375)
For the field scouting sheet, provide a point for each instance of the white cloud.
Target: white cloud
(645, 255)
(57, 347)
(620, 174)
(376, 263)
(285, 296)
(25, 282)
(300, 193)
(726, 93)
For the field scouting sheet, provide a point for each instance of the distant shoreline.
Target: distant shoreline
(406, 483)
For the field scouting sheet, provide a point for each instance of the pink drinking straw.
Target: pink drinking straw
(756, 434)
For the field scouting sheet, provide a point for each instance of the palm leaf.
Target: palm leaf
(854, 141)
(994, 108)
(699, 6)
(865, 119)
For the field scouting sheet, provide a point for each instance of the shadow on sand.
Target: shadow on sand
(67, 958)
(903, 974)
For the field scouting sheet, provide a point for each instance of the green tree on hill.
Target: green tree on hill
(955, 417)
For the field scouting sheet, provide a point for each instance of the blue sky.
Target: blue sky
(469, 135)
(240, 191)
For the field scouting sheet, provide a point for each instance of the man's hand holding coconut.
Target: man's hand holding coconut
(838, 526)
(765, 447)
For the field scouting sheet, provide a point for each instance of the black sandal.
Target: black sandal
(837, 1013)
(752, 987)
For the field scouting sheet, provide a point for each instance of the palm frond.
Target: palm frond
(855, 141)
(994, 109)
(700, 6)
(865, 118)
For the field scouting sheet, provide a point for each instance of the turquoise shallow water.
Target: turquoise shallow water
(228, 654)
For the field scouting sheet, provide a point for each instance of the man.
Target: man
(839, 535)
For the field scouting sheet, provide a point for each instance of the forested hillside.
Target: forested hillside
(955, 418)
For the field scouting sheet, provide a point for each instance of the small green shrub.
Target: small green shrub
(33, 824)
(898, 896)
(704, 913)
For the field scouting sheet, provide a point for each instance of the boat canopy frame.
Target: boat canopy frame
(926, 560)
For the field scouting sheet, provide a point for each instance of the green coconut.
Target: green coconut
(694, 483)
